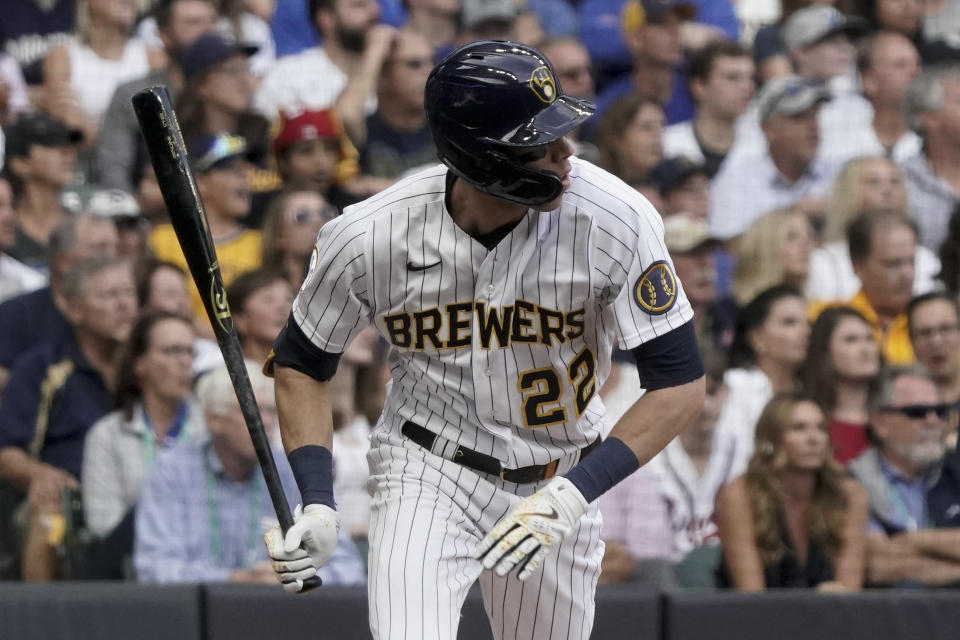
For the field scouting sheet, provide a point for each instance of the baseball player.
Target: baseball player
(502, 280)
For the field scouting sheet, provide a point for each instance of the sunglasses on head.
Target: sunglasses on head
(918, 411)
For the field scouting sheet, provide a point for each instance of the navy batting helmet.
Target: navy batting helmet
(490, 106)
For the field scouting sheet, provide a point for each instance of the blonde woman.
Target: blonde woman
(794, 519)
(81, 75)
(870, 183)
(774, 250)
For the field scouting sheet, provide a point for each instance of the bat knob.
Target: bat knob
(310, 584)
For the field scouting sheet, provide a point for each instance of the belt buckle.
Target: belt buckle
(501, 474)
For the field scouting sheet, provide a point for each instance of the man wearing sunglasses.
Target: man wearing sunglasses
(914, 488)
(502, 280)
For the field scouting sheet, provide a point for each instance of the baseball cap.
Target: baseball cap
(207, 151)
(789, 95)
(812, 24)
(474, 13)
(308, 125)
(672, 172)
(209, 49)
(115, 204)
(684, 232)
(637, 13)
(38, 128)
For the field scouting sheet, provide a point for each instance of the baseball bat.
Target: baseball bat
(168, 154)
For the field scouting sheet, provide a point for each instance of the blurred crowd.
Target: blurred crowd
(804, 156)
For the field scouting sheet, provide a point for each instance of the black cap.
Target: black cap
(38, 128)
(209, 49)
(672, 172)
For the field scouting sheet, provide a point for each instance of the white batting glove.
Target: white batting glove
(306, 547)
(524, 538)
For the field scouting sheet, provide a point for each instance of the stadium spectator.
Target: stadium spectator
(490, 20)
(882, 250)
(31, 27)
(721, 84)
(345, 66)
(818, 39)
(435, 20)
(122, 209)
(839, 373)
(652, 33)
(260, 302)
(888, 62)
(201, 511)
(934, 322)
(629, 138)
(906, 17)
(786, 170)
(80, 76)
(692, 250)
(793, 520)
(40, 159)
(774, 250)
(932, 107)
(56, 392)
(769, 344)
(690, 472)
(684, 185)
(153, 412)
(218, 90)
(15, 277)
(162, 287)
(574, 70)
(768, 49)
(218, 164)
(290, 230)
(912, 486)
(120, 155)
(395, 138)
(867, 184)
(40, 316)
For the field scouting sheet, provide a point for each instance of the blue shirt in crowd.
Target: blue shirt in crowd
(28, 321)
(194, 524)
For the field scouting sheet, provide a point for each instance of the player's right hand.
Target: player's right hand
(308, 545)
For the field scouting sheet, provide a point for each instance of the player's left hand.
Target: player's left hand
(524, 538)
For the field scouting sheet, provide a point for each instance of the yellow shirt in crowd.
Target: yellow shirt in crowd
(236, 254)
(894, 340)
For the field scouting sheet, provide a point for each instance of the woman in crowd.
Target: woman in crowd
(629, 137)
(290, 229)
(769, 345)
(154, 412)
(793, 520)
(80, 76)
(872, 183)
(775, 249)
(950, 255)
(260, 302)
(840, 371)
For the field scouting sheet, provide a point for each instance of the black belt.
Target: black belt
(488, 464)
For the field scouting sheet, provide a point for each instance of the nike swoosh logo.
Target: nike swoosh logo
(421, 267)
(553, 515)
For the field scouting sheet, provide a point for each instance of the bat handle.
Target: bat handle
(286, 521)
(310, 584)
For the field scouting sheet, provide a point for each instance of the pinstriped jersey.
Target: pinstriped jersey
(501, 350)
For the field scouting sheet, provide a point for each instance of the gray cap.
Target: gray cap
(684, 232)
(812, 24)
(789, 96)
(474, 13)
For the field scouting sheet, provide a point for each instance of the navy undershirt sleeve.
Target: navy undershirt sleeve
(294, 350)
(669, 360)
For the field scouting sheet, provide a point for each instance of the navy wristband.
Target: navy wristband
(312, 466)
(606, 465)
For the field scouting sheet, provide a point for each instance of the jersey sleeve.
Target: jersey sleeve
(332, 307)
(647, 297)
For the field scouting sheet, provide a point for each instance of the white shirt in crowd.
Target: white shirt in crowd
(830, 275)
(748, 392)
(350, 447)
(94, 79)
(17, 278)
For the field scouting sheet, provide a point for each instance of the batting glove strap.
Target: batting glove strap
(524, 537)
